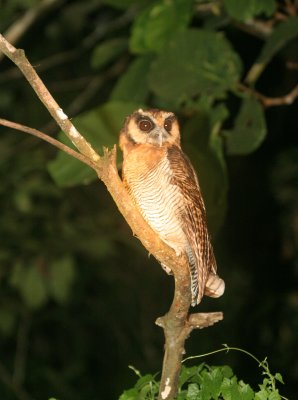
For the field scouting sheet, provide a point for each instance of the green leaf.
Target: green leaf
(33, 289)
(245, 391)
(274, 395)
(193, 392)
(249, 129)
(248, 9)
(62, 273)
(229, 389)
(187, 374)
(261, 395)
(195, 62)
(133, 84)
(131, 394)
(281, 35)
(155, 26)
(101, 127)
(107, 52)
(279, 377)
(144, 380)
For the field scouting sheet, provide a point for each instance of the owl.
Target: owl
(165, 189)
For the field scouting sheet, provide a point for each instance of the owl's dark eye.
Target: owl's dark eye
(145, 125)
(168, 125)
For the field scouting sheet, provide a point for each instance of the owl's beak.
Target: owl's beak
(159, 135)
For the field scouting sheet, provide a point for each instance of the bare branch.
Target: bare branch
(287, 99)
(19, 58)
(49, 139)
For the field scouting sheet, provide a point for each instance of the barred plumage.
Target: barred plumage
(165, 188)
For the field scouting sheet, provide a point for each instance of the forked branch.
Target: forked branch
(177, 323)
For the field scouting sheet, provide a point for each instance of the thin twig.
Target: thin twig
(49, 139)
(267, 102)
(21, 349)
(19, 58)
(19, 27)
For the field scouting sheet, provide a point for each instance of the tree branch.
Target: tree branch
(49, 139)
(287, 99)
(19, 58)
(177, 323)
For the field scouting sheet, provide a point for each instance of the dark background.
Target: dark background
(79, 295)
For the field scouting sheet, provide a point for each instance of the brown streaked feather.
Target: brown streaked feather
(193, 218)
(164, 187)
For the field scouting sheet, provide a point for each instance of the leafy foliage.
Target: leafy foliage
(249, 130)
(247, 10)
(206, 382)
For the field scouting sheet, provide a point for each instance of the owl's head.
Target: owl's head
(155, 127)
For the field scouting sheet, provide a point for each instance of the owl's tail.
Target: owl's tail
(203, 282)
(197, 279)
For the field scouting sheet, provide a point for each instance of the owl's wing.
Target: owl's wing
(193, 220)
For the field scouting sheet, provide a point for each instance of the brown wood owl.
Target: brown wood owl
(165, 188)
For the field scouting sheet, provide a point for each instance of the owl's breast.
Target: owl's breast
(148, 177)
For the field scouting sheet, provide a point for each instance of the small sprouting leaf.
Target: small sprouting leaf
(101, 127)
(279, 377)
(195, 62)
(154, 27)
(133, 85)
(249, 129)
(248, 9)
(107, 52)
(62, 274)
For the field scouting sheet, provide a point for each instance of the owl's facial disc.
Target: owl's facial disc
(155, 134)
(154, 127)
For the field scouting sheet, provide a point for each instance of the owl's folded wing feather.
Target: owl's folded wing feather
(193, 218)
